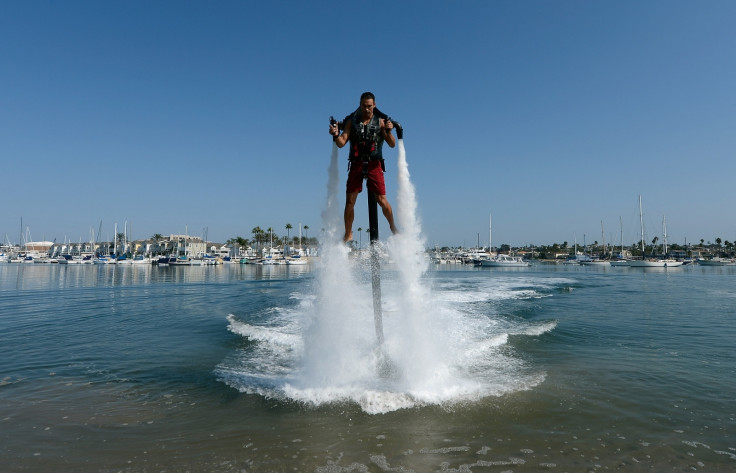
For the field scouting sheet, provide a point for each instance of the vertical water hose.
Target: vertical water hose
(375, 266)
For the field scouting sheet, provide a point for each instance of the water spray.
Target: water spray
(373, 228)
(375, 266)
(375, 257)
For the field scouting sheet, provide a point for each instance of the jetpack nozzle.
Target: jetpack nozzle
(399, 129)
(335, 122)
(397, 125)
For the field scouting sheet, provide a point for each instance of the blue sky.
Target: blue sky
(553, 116)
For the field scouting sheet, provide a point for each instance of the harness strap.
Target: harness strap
(364, 162)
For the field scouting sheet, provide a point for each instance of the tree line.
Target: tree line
(262, 237)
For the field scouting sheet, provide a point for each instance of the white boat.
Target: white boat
(140, 259)
(717, 261)
(68, 259)
(499, 261)
(296, 260)
(651, 262)
(43, 258)
(577, 259)
(210, 260)
(270, 260)
(273, 255)
(180, 261)
(504, 261)
(620, 261)
(596, 262)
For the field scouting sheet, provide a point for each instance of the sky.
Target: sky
(211, 118)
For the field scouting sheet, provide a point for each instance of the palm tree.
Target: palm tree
(288, 227)
(120, 240)
(306, 239)
(360, 229)
(156, 238)
(257, 234)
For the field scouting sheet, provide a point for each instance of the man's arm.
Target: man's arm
(340, 140)
(386, 130)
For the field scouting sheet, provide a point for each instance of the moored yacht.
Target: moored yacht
(717, 261)
(645, 262)
(504, 261)
(596, 262)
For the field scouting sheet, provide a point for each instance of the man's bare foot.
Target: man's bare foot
(348, 236)
(394, 230)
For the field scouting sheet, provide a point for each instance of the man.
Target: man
(366, 132)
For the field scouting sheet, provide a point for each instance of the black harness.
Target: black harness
(366, 141)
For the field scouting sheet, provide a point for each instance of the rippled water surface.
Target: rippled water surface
(257, 368)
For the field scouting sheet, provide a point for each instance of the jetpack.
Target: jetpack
(380, 114)
(373, 229)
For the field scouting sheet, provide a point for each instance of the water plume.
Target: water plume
(436, 349)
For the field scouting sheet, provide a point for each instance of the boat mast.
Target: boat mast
(664, 234)
(641, 222)
(603, 239)
(490, 241)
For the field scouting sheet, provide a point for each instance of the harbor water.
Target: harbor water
(249, 368)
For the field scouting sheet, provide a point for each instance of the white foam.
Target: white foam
(264, 334)
(440, 348)
(536, 330)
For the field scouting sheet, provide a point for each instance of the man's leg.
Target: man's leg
(387, 212)
(350, 198)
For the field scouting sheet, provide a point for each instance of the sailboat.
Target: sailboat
(621, 261)
(598, 261)
(298, 258)
(501, 261)
(645, 262)
(576, 258)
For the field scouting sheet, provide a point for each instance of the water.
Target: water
(551, 368)
(278, 368)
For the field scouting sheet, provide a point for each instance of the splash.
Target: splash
(439, 350)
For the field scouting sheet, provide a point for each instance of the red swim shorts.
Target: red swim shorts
(374, 177)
